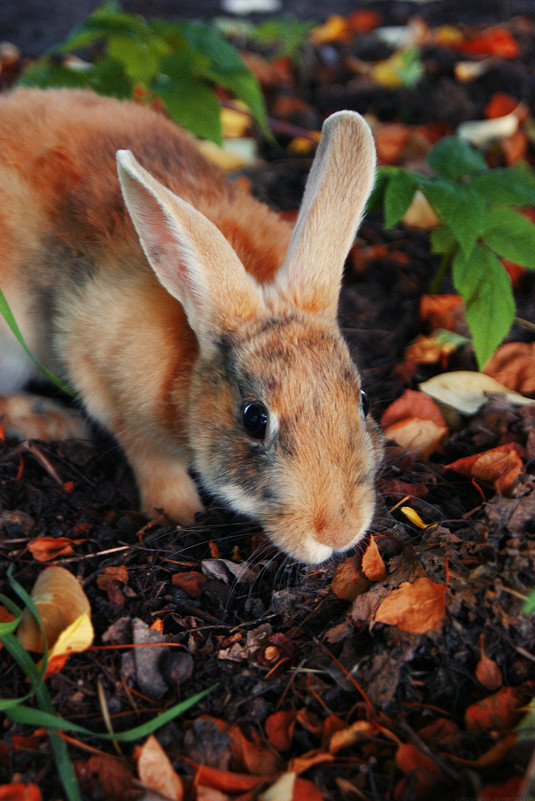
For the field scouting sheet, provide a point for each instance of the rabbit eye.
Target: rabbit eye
(255, 419)
(365, 402)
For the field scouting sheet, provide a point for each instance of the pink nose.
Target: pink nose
(334, 534)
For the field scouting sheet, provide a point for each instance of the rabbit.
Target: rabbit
(190, 320)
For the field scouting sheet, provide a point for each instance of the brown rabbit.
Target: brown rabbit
(192, 323)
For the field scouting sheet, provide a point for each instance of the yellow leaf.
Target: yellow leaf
(332, 30)
(62, 605)
(413, 516)
(465, 390)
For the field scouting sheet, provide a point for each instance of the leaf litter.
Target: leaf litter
(405, 670)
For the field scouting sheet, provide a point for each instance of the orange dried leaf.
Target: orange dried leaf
(424, 772)
(333, 30)
(348, 580)
(412, 404)
(513, 365)
(225, 780)
(155, 770)
(509, 789)
(191, 582)
(252, 757)
(363, 20)
(358, 731)
(499, 105)
(18, 791)
(373, 565)
(487, 671)
(305, 791)
(305, 761)
(279, 728)
(46, 548)
(494, 41)
(442, 311)
(497, 712)
(416, 607)
(498, 466)
(391, 140)
(428, 350)
(119, 573)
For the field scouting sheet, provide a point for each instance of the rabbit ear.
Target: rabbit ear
(190, 256)
(337, 188)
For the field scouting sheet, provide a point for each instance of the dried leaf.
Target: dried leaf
(46, 548)
(499, 466)
(495, 41)
(423, 771)
(252, 757)
(226, 780)
(191, 582)
(109, 574)
(513, 365)
(279, 728)
(417, 435)
(412, 404)
(442, 311)
(465, 390)
(348, 580)
(487, 671)
(155, 770)
(18, 791)
(305, 761)
(333, 30)
(420, 214)
(373, 565)
(391, 139)
(63, 608)
(358, 731)
(497, 712)
(416, 607)
(481, 132)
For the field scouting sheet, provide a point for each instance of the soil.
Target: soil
(292, 648)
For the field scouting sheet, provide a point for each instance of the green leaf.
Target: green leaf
(458, 206)
(107, 20)
(7, 314)
(528, 609)
(287, 35)
(189, 99)
(140, 59)
(505, 186)
(398, 196)
(485, 287)
(511, 235)
(382, 177)
(44, 72)
(442, 240)
(226, 67)
(453, 158)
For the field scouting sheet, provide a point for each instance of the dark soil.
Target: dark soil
(280, 638)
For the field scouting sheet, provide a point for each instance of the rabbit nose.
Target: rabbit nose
(335, 534)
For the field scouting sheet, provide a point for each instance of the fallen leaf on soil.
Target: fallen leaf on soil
(413, 516)
(429, 350)
(442, 731)
(156, 772)
(424, 773)
(226, 780)
(513, 365)
(191, 582)
(465, 390)
(500, 104)
(109, 574)
(487, 671)
(497, 712)
(416, 607)
(348, 580)
(106, 777)
(279, 728)
(391, 139)
(415, 422)
(420, 214)
(333, 30)
(305, 761)
(481, 132)
(373, 565)
(510, 789)
(46, 548)
(442, 311)
(358, 731)
(65, 615)
(495, 41)
(18, 791)
(235, 121)
(251, 757)
(281, 790)
(412, 404)
(498, 466)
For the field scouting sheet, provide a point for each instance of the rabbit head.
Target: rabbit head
(275, 418)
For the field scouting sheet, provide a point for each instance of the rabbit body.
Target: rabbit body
(172, 302)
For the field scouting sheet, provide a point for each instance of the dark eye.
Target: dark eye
(365, 402)
(255, 419)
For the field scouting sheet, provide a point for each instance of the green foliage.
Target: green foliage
(479, 226)
(44, 716)
(178, 62)
(287, 36)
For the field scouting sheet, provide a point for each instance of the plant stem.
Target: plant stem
(441, 272)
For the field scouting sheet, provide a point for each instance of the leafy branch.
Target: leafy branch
(176, 62)
(479, 225)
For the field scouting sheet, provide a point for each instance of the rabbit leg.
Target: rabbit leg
(26, 416)
(164, 482)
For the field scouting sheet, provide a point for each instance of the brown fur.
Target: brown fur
(165, 346)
